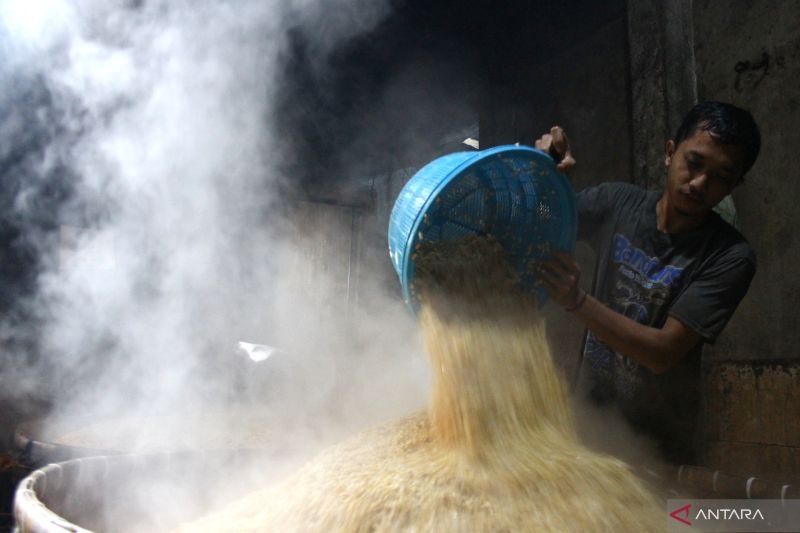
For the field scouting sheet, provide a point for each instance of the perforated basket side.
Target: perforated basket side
(511, 192)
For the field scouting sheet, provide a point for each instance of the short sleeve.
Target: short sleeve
(708, 302)
(593, 204)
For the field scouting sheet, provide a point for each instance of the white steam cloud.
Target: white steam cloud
(173, 243)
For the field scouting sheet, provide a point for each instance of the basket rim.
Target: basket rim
(407, 265)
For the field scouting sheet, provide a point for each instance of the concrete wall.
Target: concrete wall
(583, 89)
(750, 56)
(752, 426)
(663, 83)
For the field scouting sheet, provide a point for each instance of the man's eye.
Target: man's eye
(692, 164)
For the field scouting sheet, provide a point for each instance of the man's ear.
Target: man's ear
(669, 151)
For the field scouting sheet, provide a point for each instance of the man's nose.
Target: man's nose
(699, 182)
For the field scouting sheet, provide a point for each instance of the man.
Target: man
(668, 276)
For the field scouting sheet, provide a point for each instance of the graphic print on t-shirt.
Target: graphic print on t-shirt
(638, 285)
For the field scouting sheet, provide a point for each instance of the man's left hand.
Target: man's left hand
(561, 277)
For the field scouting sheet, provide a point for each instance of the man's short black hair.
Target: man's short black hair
(730, 125)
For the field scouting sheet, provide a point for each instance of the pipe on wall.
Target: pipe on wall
(708, 482)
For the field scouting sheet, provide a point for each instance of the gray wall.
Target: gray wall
(583, 89)
(730, 40)
(750, 56)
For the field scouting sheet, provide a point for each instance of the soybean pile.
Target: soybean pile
(497, 448)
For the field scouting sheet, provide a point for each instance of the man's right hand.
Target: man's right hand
(556, 144)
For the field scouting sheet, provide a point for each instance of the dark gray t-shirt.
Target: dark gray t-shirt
(698, 277)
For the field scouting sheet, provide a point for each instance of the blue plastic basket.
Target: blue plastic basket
(513, 193)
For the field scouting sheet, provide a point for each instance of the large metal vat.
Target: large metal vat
(151, 492)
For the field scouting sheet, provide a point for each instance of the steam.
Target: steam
(173, 242)
(173, 275)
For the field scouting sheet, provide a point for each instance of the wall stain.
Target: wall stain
(749, 73)
(752, 72)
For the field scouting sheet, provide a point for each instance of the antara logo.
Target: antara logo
(684, 513)
(730, 514)
(681, 514)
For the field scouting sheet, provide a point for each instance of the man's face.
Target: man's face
(700, 172)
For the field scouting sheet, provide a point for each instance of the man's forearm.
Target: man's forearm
(648, 346)
(655, 348)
